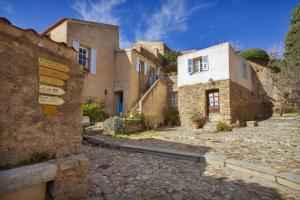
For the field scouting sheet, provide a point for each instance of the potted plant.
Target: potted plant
(197, 120)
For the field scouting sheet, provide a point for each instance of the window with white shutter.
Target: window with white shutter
(205, 63)
(138, 65)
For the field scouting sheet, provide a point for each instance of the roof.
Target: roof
(53, 26)
(62, 20)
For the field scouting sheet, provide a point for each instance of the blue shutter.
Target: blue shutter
(93, 61)
(205, 63)
(190, 66)
(75, 45)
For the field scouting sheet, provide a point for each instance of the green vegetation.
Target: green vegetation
(173, 116)
(114, 125)
(198, 117)
(221, 126)
(255, 54)
(276, 64)
(94, 110)
(292, 40)
(170, 57)
(134, 117)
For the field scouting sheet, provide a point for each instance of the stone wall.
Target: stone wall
(28, 131)
(192, 98)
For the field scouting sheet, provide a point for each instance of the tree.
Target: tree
(292, 40)
(287, 81)
(256, 55)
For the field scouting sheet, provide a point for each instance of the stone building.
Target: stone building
(40, 121)
(220, 84)
(118, 77)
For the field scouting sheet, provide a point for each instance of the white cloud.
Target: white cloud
(101, 11)
(172, 16)
(6, 7)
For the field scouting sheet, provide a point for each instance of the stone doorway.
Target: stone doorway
(213, 103)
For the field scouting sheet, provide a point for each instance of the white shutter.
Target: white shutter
(146, 69)
(93, 61)
(75, 45)
(205, 63)
(137, 65)
(190, 66)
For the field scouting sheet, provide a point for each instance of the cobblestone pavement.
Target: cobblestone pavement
(274, 143)
(119, 175)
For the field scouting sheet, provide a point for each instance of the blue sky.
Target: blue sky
(182, 24)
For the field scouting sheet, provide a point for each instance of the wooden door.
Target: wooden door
(213, 106)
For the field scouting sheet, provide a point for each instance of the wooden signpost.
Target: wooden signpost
(51, 81)
(45, 89)
(50, 100)
(53, 65)
(53, 73)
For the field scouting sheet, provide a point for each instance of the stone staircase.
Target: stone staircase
(211, 123)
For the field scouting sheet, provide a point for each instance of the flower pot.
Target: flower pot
(196, 125)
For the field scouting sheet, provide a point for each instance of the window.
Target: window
(198, 64)
(244, 69)
(84, 57)
(213, 98)
(174, 99)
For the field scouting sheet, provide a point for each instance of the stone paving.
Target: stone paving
(119, 175)
(274, 143)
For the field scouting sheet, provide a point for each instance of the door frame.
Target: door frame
(207, 100)
(120, 94)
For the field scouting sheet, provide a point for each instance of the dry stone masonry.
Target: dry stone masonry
(40, 86)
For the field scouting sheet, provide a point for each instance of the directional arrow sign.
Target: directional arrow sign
(50, 100)
(53, 65)
(53, 73)
(45, 89)
(51, 81)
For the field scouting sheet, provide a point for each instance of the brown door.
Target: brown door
(213, 107)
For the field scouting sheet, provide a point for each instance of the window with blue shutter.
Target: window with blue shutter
(190, 66)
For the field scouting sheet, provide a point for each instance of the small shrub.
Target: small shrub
(221, 126)
(198, 117)
(255, 54)
(173, 116)
(94, 110)
(114, 125)
(276, 64)
(134, 117)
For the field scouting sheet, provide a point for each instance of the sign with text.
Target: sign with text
(53, 73)
(45, 89)
(51, 81)
(50, 100)
(53, 65)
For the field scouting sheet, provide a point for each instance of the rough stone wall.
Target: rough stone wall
(24, 129)
(192, 98)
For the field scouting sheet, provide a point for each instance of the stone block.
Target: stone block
(214, 159)
(26, 176)
(252, 169)
(289, 179)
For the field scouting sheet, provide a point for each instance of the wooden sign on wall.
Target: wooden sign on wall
(51, 81)
(45, 89)
(50, 100)
(53, 73)
(53, 65)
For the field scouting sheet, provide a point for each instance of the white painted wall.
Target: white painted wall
(218, 59)
(236, 74)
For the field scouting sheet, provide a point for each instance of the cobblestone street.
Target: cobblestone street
(274, 143)
(119, 175)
